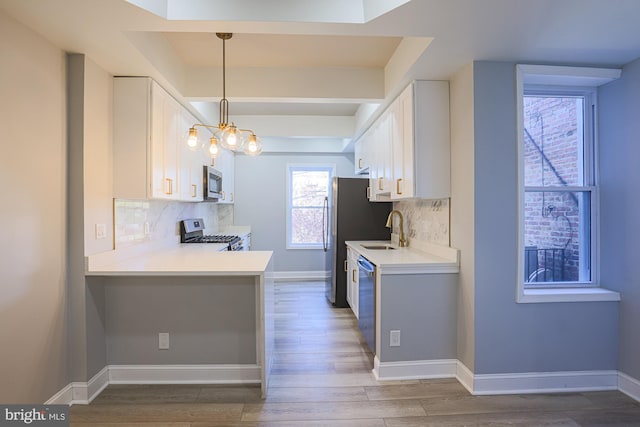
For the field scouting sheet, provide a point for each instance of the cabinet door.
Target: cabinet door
(164, 135)
(402, 142)
(352, 280)
(380, 169)
(225, 163)
(360, 158)
(191, 161)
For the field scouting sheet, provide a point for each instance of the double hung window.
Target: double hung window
(558, 192)
(308, 186)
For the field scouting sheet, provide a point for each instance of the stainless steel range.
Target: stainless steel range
(192, 231)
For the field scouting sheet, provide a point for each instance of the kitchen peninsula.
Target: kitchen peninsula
(409, 304)
(216, 307)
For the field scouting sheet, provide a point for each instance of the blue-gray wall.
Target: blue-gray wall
(510, 337)
(620, 206)
(261, 202)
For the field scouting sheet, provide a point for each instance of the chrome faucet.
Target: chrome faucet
(402, 241)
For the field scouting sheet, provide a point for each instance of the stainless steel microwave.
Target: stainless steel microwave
(212, 184)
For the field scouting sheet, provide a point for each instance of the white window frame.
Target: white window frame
(576, 81)
(306, 167)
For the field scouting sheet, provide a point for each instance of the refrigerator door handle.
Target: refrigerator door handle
(325, 224)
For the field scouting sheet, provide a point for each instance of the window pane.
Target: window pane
(557, 237)
(309, 188)
(306, 226)
(553, 141)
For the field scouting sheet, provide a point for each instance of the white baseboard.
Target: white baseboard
(483, 384)
(63, 397)
(184, 374)
(81, 393)
(464, 376)
(414, 369)
(544, 382)
(305, 276)
(629, 386)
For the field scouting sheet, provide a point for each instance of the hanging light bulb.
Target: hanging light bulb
(253, 147)
(192, 141)
(213, 147)
(230, 138)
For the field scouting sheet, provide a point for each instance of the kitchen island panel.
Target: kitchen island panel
(211, 320)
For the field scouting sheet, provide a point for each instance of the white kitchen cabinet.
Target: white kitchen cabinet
(151, 158)
(352, 280)
(409, 145)
(420, 142)
(191, 163)
(360, 156)
(165, 118)
(225, 163)
(380, 175)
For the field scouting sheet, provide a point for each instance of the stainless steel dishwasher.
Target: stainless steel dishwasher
(367, 301)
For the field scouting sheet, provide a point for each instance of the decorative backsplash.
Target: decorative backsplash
(425, 221)
(145, 221)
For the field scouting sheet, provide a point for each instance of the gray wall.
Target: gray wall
(261, 201)
(619, 206)
(512, 337)
(33, 255)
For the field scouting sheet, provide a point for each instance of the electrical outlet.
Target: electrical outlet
(163, 341)
(101, 231)
(394, 339)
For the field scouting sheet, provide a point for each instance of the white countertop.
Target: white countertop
(408, 260)
(181, 260)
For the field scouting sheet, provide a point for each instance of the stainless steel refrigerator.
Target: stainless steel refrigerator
(348, 215)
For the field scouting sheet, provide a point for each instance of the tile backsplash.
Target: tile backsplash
(425, 221)
(146, 221)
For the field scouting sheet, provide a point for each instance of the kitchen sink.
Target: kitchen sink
(378, 247)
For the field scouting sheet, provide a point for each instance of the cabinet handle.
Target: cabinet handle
(368, 192)
(224, 195)
(231, 197)
(380, 183)
(169, 181)
(194, 190)
(353, 276)
(359, 163)
(398, 186)
(345, 265)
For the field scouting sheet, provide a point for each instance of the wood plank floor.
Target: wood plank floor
(322, 378)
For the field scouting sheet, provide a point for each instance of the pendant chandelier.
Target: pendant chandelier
(225, 134)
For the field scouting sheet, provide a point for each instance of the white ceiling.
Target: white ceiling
(308, 70)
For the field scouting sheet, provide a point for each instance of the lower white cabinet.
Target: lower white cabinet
(352, 280)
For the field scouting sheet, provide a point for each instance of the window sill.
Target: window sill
(567, 295)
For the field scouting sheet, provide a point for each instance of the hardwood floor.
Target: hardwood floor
(322, 378)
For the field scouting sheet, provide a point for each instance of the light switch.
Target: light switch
(101, 231)
(394, 338)
(163, 341)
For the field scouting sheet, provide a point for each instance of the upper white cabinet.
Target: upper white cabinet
(411, 145)
(421, 141)
(361, 158)
(151, 157)
(225, 163)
